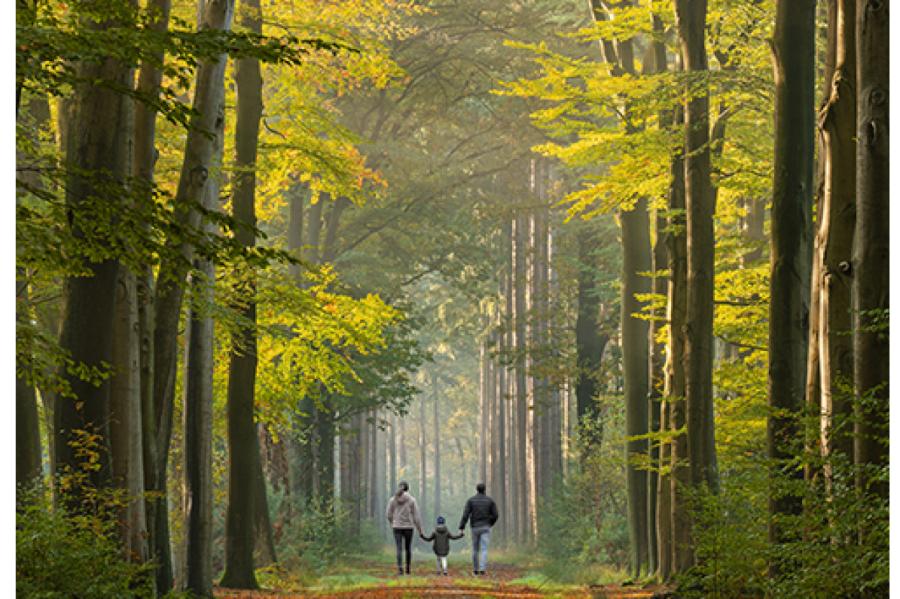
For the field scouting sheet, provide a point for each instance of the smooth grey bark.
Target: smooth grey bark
(143, 162)
(245, 502)
(392, 455)
(870, 291)
(698, 348)
(520, 350)
(264, 542)
(655, 398)
(437, 447)
(635, 225)
(97, 133)
(681, 549)
(198, 413)
(483, 412)
(831, 341)
(125, 419)
(169, 288)
(511, 357)
(423, 505)
(198, 397)
(794, 57)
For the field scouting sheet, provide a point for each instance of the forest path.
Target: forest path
(503, 582)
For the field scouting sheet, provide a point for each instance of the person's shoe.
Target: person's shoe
(482, 572)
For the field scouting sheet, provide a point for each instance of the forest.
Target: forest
(624, 262)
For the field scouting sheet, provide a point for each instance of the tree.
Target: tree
(98, 129)
(794, 57)
(198, 398)
(635, 334)
(870, 252)
(169, 289)
(830, 358)
(243, 447)
(699, 206)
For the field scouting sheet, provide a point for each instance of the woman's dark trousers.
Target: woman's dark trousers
(403, 538)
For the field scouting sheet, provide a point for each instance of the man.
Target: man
(403, 515)
(482, 511)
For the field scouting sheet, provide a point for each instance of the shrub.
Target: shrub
(62, 556)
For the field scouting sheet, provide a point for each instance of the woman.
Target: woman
(403, 516)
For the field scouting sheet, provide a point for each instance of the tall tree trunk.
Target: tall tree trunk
(870, 252)
(125, 419)
(691, 20)
(589, 341)
(402, 461)
(833, 247)
(372, 459)
(521, 357)
(392, 455)
(198, 404)
(198, 156)
(28, 436)
(682, 554)
(143, 163)
(98, 132)
(656, 62)
(656, 477)
(437, 448)
(483, 411)
(244, 466)
(264, 539)
(635, 261)
(423, 447)
(794, 57)
(500, 452)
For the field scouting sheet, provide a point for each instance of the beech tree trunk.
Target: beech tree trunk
(681, 550)
(794, 57)
(198, 156)
(833, 247)
(244, 467)
(423, 447)
(655, 397)
(437, 448)
(125, 419)
(28, 436)
(198, 404)
(871, 250)
(698, 348)
(635, 261)
(589, 341)
(143, 163)
(98, 131)
(521, 356)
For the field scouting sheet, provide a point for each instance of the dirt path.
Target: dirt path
(497, 584)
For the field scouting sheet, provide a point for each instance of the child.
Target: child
(441, 537)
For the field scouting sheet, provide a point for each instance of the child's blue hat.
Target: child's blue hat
(441, 520)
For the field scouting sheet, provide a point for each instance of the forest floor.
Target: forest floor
(375, 579)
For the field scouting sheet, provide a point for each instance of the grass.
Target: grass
(377, 570)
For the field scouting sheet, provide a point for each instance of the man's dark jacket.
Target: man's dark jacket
(481, 509)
